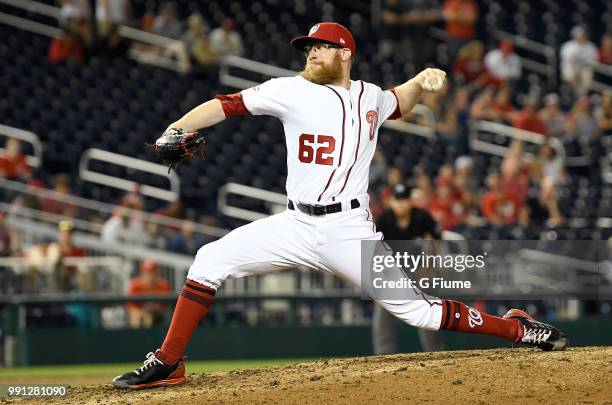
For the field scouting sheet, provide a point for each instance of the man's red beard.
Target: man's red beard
(326, 73)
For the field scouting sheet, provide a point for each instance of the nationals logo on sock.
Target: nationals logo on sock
(474, 317)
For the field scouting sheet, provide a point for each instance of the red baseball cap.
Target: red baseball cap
(329, 32)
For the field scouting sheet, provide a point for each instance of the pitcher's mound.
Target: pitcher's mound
(578, 375)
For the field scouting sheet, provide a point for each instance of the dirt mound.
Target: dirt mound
(578, 375)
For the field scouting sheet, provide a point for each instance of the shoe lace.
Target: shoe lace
(148, 363)
(537, 332)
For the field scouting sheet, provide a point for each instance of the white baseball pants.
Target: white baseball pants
(290, 239)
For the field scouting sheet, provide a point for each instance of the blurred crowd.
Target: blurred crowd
(483, 85)
(88, 30)
(407, 31)
(523, 189)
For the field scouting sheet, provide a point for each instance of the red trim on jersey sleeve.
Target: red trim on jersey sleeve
(397, 113)
(232, 104)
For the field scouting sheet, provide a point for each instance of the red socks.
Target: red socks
(459, 317)
(191, 307)
(195, 300)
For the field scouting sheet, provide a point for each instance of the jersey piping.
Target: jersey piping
(341, 144)
(358, 141)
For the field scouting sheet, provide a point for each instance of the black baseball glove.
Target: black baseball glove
(174, 145)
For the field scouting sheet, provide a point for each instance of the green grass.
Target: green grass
(91, 371)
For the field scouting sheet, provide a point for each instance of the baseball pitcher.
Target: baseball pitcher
(331, 126)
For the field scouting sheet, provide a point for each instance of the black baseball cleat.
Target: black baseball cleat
(153, 373)
(538, 334)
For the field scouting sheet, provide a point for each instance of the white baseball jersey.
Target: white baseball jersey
(331, 133)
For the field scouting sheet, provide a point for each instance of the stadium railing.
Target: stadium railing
(603, 73)
(36, 226)
(28, 25)
(508, 132)
(88, 208)
(173, 266)
(542, 58)
(104, 273)
(602, 79)
(277, 202)
(132, 165)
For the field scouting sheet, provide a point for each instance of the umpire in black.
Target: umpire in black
(402, 221)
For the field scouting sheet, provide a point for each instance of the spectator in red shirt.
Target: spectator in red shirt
(147, 21)
(605, 50)
(515, 174)
(446, 209)
(445, 175)
(496, 206)
(147, 24)
(469, 66)
(528, 118)
(66, 47)
(460, 17)
(13, 163)
(65, 244)
(145, 315)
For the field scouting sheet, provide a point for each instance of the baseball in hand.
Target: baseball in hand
(432, 79)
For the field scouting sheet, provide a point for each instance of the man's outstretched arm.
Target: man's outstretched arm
(408, 94)
(205, 115)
